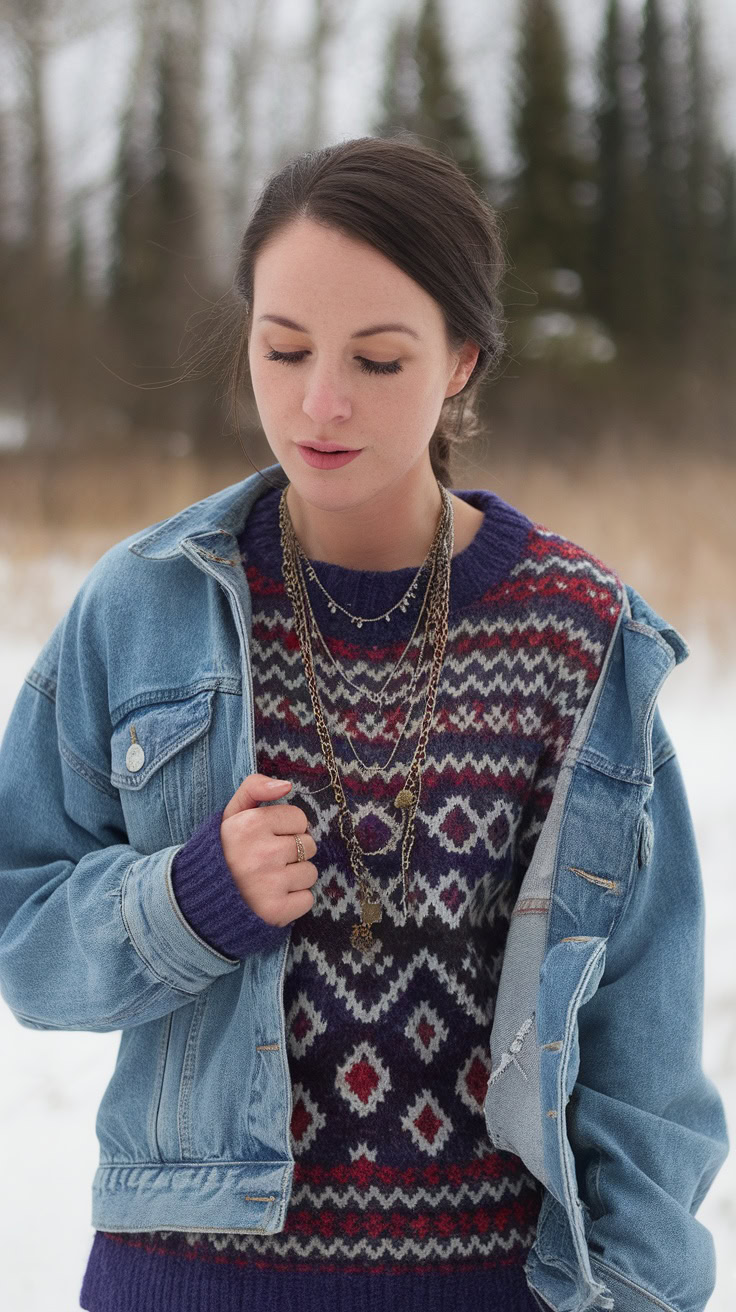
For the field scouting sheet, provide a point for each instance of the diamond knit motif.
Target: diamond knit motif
(395, 1176)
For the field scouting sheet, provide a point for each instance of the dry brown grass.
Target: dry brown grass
(665, 521)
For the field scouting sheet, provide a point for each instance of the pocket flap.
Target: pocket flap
(146, 737)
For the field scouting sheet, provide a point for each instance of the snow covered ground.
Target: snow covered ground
(52, 1083)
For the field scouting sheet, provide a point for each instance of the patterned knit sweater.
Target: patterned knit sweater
(399, 1199)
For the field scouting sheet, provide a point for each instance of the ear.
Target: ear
(465, 364)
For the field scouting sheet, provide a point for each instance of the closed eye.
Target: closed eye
(368, 366)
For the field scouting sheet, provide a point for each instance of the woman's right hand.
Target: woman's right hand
(259, 847)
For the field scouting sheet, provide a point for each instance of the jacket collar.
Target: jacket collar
(641, 617)
(224, 512)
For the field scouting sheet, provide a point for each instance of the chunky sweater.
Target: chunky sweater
(399, 1199)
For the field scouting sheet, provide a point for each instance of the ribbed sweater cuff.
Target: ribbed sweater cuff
(209, 898)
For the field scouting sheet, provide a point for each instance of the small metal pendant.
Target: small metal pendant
(404, 798)
(371, 912)
(362, 937)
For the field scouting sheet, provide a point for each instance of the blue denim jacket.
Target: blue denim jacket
(595, 1048)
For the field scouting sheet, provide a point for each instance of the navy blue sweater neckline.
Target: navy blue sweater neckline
(496, 547)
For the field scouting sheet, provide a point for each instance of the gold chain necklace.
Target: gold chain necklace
(407, 798)
(408, 695)
(432, 558)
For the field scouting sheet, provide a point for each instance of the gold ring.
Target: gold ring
(299, 848)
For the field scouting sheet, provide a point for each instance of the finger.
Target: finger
(301, 874)
(288, 819)
(290, 850)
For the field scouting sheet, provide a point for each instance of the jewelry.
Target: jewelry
(380, 697)
(364, 619)
(432, 556)
(407, 798)
(299, 849)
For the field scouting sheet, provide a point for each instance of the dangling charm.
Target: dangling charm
(362, 935)
(404, 798)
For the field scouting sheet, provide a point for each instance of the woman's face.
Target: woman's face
(380, 391)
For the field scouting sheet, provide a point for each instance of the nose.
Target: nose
(325, 397)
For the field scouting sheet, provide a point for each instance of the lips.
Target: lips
(319, 458)
(330, 448)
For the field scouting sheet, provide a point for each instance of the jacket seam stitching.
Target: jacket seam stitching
(569, 1178)
(649, 631)
(153, 697)
(42, 684)
(632, 1284)
(627, 774)
(166, 983)
(130, 1165)
(86, 772)
(664, 759)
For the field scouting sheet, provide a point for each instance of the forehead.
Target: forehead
(308, 270)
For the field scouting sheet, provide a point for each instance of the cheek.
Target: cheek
(270, 390)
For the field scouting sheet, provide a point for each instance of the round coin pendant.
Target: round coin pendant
(404, 798)
(134, 757)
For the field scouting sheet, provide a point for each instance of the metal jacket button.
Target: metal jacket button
(134, 757)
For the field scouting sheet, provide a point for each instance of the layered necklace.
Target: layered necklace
(435, 608)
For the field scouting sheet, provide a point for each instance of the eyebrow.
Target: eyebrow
(364, 332)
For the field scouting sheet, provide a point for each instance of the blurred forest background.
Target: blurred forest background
(620, 221)
(135, 135)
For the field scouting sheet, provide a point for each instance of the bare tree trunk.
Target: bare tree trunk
(247, 62)
(38, 285)
(324, 28)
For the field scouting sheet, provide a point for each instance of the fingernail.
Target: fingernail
(277, 783)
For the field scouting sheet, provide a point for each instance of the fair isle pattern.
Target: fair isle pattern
(389, 1053)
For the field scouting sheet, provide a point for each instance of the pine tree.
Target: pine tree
(421, 96)
(608, 290)
(160, 275)
(400, 92)
(726, 234)
(443, 114)
(133, 259)
(545, 225)
(699, 273)
(663, 220)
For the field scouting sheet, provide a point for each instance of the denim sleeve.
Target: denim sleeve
(91, 936)
(646, 1123)
(210, 900)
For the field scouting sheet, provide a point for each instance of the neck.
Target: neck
(357, 537)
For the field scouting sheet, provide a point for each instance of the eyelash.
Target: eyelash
(368, 366)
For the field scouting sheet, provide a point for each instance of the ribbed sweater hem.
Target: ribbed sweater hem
(121, 1278)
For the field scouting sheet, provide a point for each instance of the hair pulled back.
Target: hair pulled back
(417, 208)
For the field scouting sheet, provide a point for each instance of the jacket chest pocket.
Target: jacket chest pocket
(159, 762)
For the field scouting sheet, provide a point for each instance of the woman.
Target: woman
(344, 796)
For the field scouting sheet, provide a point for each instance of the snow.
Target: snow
(53, 1082)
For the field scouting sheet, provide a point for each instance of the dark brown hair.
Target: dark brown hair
(419, 209)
